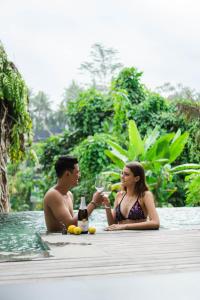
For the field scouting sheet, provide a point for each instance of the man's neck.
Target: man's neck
(62, 188)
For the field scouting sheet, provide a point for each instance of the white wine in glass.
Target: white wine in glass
(99, 183)
(107, 188)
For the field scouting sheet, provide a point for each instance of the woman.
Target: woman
(134, 204)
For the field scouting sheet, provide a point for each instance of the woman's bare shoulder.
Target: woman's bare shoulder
(148, 195)
(119, 196)
(121, 193)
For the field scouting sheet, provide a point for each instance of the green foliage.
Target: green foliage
(121, 105)
(57, 145)
(155, 110)
(192, 152)
(26, 182)
(193, 189)
(174, 119)
(149, 113)
(129, 80)
(92, 160)
(156, 154)
(14, 99)
(88, 112)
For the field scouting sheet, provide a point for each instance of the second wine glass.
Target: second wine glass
(107, 188)
(99, 184)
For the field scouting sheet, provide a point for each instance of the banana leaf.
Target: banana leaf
(118, 148)
(136, 146)
(115, 158)
(185, 167)
(177, 146)
(160, 148)
(151, 138)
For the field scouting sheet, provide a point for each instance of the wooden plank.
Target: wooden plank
(111, 253)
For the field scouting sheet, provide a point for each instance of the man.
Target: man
(58, 201)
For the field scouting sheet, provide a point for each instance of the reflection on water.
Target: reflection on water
(20, 232)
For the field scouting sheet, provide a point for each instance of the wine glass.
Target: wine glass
(107, 188)
(99, 184)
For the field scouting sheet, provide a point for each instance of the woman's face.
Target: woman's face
(127, 177)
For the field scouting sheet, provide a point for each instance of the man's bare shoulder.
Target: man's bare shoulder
(52, 194)
(51, 191)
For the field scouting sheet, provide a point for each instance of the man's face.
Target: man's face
(74, 176)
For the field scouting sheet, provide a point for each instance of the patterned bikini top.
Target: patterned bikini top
(135, 213)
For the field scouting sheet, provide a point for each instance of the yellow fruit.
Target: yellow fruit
(77, 230)
(71, 228)
(91, 230)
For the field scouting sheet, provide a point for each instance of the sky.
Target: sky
(49, 39)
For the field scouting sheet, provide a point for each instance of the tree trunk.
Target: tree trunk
(4, 195)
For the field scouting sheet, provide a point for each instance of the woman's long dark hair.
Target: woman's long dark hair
(138, 170)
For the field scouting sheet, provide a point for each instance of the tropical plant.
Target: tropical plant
(88, 112)
(129, 80)
(41, 112)
(15, 122)
(121, 107)
(26, 181)
(71, 93)
(156, 155)
(149, 113)
(193, 189)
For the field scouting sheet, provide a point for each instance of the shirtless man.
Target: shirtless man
(58, 201)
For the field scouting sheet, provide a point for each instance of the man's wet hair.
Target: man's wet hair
(65, 163)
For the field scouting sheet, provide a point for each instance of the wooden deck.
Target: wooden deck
(109, 253)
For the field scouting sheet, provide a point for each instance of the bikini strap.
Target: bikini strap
(122, 199)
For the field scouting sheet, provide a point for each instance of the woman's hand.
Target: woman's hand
(97, 198)
(115, 227)
(106, 201)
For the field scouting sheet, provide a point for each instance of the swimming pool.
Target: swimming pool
(20, 231)
(20, 236)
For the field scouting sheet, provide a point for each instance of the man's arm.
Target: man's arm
(96, 201)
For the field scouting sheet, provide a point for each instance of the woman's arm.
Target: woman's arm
(152, 223)
(110, 213)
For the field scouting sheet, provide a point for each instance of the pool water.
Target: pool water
(20, 236)
(20, 231)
